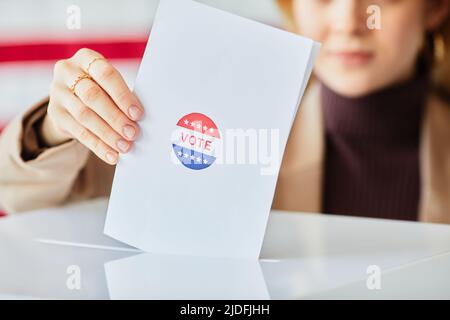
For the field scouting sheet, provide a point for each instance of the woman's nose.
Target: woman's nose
(349, 16)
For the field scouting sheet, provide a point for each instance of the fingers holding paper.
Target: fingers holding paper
(92, 120)
(90, 101)
(72, 127)
(110, 80)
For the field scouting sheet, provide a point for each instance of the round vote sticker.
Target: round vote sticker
(195, 141)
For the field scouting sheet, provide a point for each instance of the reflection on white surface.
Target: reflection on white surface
(421, 280)
(304, 256)
(85, 245)
(29, 269)
(151, 276)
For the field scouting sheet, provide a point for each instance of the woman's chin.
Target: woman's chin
(350, 85)
(351, 81)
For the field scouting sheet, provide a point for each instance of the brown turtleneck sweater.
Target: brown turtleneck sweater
(372, 151)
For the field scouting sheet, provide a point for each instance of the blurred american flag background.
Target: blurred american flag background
(34, 35)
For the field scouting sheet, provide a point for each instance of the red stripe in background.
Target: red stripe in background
(60, 50)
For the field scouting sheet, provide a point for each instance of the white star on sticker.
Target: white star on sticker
(180, 153)
(199, 126)
(199, 160)
(186, 155)
(211, 129)
(192, 157)
(205, 161)
(205, 128)
(192, 124)
(186, 122)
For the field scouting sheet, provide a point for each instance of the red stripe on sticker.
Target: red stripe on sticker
(199, 123)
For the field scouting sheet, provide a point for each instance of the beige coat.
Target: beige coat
(70, 172)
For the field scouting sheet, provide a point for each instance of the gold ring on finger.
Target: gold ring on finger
(77, 80)
(92, 62)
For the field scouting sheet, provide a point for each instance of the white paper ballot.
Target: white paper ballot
(220, 94)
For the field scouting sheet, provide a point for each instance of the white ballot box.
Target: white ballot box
(220, 94)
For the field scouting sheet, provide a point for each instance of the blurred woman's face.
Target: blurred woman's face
(355, 60)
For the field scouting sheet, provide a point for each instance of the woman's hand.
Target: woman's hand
(101, 111)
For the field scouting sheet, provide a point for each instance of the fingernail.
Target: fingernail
(123, 145)
(111, 158)
(135, 112)
(129, 131)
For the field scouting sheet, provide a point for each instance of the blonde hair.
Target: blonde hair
(440, 68)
